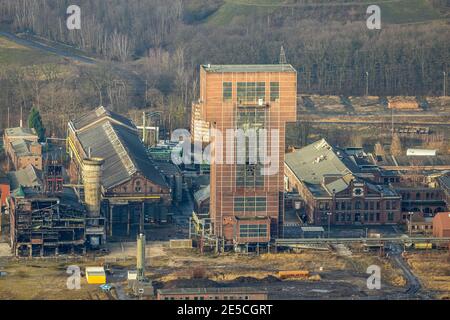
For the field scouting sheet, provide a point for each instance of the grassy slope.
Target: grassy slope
(17, 55)
(401, 11)
(408, 11)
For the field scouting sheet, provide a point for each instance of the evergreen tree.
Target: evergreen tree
(35, 121)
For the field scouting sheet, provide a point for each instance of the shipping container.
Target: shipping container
(293, 274)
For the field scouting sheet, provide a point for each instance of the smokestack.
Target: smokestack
(92, 174)
(140, 257)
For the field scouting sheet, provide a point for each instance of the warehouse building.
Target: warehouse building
(132, 188)
(336, 185)
(223, 293)
(23, 148)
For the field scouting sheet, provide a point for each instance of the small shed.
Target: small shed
(95, 275)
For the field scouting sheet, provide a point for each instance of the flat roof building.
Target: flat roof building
(247, 99)
(222, 293)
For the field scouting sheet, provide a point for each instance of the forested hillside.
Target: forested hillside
(162, 43)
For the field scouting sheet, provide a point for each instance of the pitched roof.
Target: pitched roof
(445, 181)
(314, 161)
(202, 194)
(118, 143)
(28, 177)
(22, 147)
(20, 132)
(100, 113)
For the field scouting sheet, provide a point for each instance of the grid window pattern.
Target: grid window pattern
(251, 92)
(227, 91)
(250, 204)
(274, 91)
(249, 174)
(253, 231)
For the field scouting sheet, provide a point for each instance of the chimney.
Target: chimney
(92, 174)
(140, 257)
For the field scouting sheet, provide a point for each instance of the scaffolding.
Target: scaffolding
(45, 227)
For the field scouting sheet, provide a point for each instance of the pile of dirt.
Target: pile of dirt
(268, 279)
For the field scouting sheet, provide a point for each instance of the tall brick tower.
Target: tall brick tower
(246, 206)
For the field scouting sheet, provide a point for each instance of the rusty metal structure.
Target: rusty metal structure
(43, 224)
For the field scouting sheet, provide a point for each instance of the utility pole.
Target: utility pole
(392, 123)
(367, 83)
(410, 223)
(21, 117)
(445, 83)
(329, 222)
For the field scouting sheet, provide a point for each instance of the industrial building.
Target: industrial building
(223, 293)
(4, 189)
(244, 201)
(339, 187)
(131, 188)
(22, 147)
(199, 127)
(441, 225)
(444, 184)
(44, 224)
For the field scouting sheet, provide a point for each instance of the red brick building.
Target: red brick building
(335, 187)
(23, 148)
(441, 225)
(4, 189)
(234, 97)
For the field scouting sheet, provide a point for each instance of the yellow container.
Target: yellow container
(95, 275)
(423, 246)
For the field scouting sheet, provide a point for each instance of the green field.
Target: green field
(392, 11)
(13, 54)
(408, 11)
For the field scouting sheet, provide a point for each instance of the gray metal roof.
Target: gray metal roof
(318, 160)
(20, 132)
(98, 114)
(219, 68)
(28, 177)
(202, 194)
(121, 148)
(314, 161)
(312, 229)
(445, 181)
(21, 147)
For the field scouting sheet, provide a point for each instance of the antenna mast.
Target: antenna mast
(283, 60)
